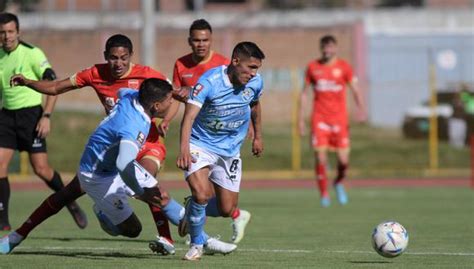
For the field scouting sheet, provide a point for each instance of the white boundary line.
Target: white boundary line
(251, 250)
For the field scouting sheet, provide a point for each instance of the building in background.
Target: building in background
(390, 43)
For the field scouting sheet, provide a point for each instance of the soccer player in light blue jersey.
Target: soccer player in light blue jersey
(108, 170)
(218, 112)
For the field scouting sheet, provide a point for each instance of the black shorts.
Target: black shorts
(18, 129)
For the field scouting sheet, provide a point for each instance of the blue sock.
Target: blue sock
(196, 220)
(211, 209)
(173, 211)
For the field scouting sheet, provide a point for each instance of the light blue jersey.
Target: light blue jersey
(222, 122)
(127, 121)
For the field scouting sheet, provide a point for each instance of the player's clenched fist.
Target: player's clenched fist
(151, 196)
(18, 80)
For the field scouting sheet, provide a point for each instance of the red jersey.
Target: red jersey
(187, 72)
(106, 86)
(329, 85)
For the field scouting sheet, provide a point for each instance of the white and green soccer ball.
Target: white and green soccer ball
(390, 239)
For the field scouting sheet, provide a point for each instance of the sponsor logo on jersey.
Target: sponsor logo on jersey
(140, 137)
(187, 75)
(324, 85)
(133, 84)
(197, 89)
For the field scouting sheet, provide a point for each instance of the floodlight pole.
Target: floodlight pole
(148, 33)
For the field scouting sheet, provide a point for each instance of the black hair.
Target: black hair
(118, 40)
(248, 49)
(6, 17)
(200, 24)
(327, 39)
(153, 90)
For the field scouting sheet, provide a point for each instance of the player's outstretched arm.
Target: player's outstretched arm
(184, 157)
(256, 117)
(44, 124)
(43, 86)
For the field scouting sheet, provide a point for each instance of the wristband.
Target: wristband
(47, 115)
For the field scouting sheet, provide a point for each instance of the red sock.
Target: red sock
(236, 213)
(52, 205)
(322, 180)
(161, 222)
(341, 173)
(44, 211)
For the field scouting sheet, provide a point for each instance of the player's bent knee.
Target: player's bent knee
(202, 198)
(132, 232)
(42, 170)
(131, 227)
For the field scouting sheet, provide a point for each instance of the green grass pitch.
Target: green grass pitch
(288, 230)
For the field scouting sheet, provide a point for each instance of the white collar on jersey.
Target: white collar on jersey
(225, 77)
(140, 108)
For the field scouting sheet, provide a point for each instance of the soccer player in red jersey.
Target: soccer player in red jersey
(187, 70)
(328, 77)
(107, 79)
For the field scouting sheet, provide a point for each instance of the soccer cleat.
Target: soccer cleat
(162, 246)
(325, 201)
(6, 246)
(183, 223)
(214, 245)
(77, 214)
(194, 253)
(238, 226)
(341, 194)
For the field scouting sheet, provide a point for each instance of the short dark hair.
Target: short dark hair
(153, 90)
(6, 17)
(200, 24)
(118, 40)
(248, 49)
(327, 39)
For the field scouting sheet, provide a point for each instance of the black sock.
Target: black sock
(56, 182)
(4, 198)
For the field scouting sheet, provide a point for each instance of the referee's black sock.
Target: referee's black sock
(4, 198)
(56, 183)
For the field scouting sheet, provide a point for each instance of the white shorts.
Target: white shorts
(223, 171)
(110, 194)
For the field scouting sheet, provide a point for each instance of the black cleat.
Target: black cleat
(78, 215)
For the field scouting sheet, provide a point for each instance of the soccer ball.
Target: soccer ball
(390, 239)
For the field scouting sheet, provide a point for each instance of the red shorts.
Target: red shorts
(155, 151)
(330, 135)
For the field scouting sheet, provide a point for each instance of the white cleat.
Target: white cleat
(162, 246)
(238, 226)
(214, 245)
(194, 253)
